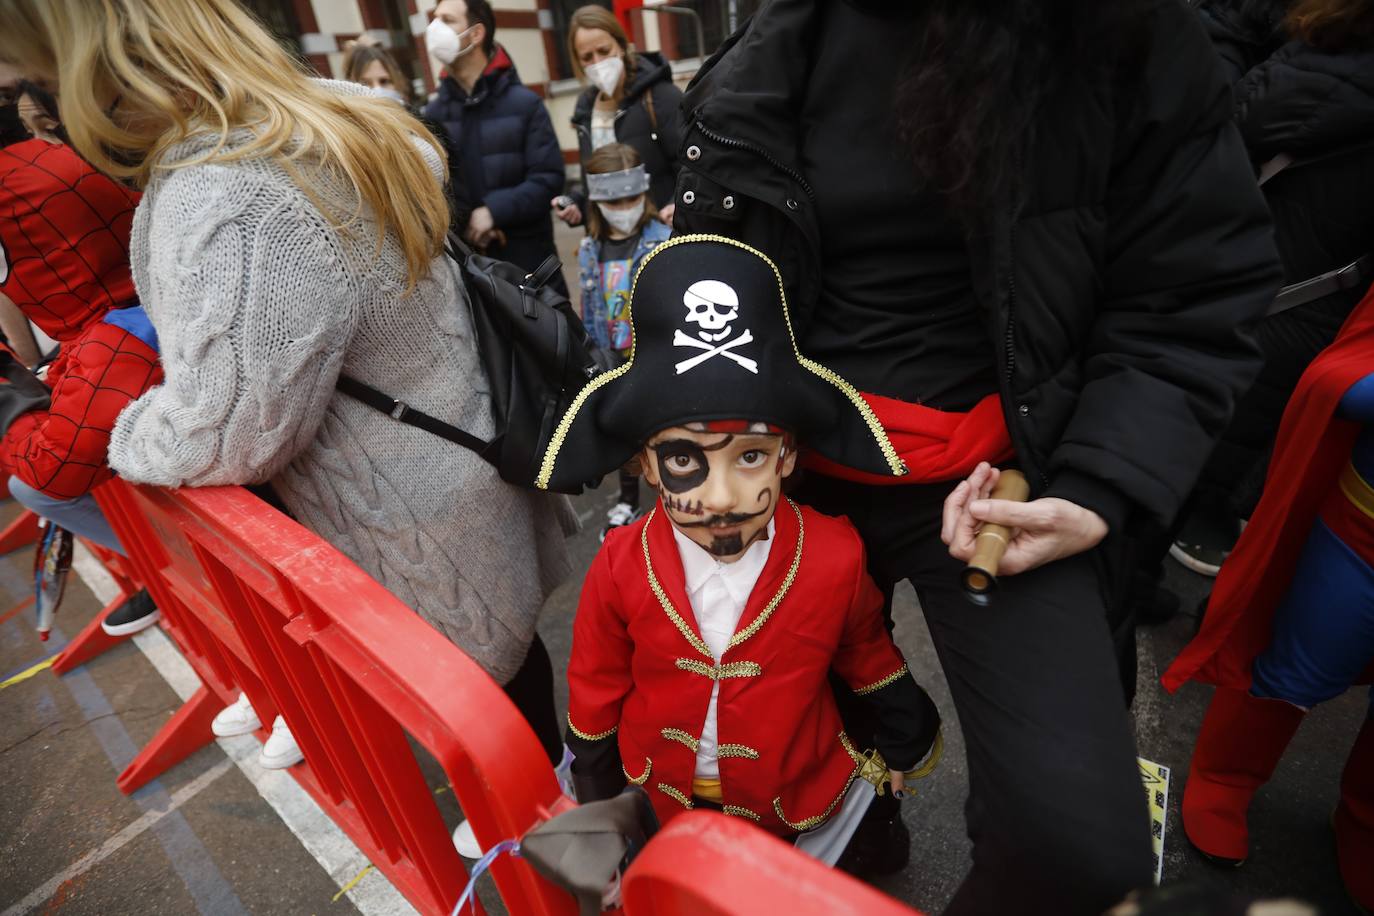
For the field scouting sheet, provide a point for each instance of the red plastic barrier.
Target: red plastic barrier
(257, 602)
(92, 640)
(22, 532)
(706, 864)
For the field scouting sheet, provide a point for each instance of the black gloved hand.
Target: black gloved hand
(20, 391)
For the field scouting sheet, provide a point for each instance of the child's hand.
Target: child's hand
(896, 781)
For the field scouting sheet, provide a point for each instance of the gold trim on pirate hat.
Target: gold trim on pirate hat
(711, 339)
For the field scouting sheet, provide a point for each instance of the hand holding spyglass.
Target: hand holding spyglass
(1036, 532)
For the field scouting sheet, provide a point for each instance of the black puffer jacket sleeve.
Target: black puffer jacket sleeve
(1190, 265)
(1302, 101)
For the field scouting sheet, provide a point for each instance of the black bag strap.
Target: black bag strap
(459, 251)
(400, 410)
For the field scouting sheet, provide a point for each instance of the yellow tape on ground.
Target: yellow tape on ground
(1156, 780)
(349, 886)
(28, 672)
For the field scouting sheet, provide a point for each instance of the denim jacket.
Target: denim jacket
(594, 314)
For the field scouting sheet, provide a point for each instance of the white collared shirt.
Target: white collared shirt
(718, 593)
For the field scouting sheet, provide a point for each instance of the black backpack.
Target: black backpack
(536, 353)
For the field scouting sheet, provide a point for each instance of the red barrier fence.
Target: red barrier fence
(707, 864)
(256, 602)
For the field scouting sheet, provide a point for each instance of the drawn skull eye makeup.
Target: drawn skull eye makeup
(682, 465)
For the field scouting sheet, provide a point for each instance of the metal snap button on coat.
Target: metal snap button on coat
(1024, 410)
(728, 203)
(694, 152)
(791, 204)
(689, 197)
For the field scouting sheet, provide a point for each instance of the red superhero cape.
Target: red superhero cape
(1312, 447)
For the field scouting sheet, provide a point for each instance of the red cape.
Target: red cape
(1312, 447)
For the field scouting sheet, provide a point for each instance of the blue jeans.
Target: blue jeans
(81, 516)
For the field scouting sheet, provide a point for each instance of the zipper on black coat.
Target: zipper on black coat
(760, 151)
(1009, 340)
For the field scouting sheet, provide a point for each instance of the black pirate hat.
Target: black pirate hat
(711, 340)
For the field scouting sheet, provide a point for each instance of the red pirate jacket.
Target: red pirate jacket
(642, 675)
(64, 260)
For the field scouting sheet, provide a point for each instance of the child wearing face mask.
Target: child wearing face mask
(621, 230)
(707, 630)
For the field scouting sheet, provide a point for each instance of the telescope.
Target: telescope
(990, 543)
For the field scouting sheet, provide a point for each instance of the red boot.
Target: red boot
(1355, 820)
(1240, 742)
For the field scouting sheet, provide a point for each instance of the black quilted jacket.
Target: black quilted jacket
(1117, 299)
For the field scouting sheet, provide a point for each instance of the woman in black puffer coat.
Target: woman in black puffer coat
(1303, 76)
(641, 109)
(1028, 219)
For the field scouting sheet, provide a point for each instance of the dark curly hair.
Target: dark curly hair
(978, 69)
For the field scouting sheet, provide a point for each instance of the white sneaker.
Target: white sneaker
(238, 718)
(465, 841)
(280, 751)
(617, 516)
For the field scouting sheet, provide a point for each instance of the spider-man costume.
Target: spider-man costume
(64, 260)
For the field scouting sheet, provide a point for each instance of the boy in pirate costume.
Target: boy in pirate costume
(707, 629)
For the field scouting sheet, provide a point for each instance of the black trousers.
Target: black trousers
(1056, 810)
(531, 690)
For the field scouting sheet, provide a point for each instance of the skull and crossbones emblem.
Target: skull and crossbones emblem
(713, 307)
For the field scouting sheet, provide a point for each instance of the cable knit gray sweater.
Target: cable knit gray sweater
(259, 304)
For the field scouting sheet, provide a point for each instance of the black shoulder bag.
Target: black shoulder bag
(536, 353)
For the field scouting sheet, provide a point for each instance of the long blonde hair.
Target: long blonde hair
(175, 68)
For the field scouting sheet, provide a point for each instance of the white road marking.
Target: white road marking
(373, 895)
(117, 842)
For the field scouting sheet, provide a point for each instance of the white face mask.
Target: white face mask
(605, 74)
(391, 94)
(445, 44)
(623, 220)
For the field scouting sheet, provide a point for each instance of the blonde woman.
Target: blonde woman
(290, 230)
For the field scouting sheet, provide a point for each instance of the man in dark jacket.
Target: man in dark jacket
(506, 157)
(1038, 220)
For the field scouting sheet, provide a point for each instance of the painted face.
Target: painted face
(719, 489)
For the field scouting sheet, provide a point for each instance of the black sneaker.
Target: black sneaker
(1205, 541)
(136, 613)
(881, 844)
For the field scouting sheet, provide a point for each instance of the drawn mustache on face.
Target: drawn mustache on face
(725, 520)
